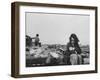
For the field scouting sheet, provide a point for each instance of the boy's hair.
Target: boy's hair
(37, 34)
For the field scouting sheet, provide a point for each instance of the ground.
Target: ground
(39, 55)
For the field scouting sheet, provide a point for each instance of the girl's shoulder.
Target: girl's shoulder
(69, 44)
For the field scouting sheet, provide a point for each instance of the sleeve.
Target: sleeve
(67, 49)
(78, 49)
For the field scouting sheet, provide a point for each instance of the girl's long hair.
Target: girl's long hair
(75, 38)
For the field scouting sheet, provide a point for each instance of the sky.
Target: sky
(57, 28)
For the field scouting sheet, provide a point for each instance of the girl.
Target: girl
(74, 50)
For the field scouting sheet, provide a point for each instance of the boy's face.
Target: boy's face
(37, 35)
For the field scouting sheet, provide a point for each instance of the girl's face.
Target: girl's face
(72, 40)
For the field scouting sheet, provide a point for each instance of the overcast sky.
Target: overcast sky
(56, 28)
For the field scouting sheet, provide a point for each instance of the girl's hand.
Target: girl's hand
(71, 48)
